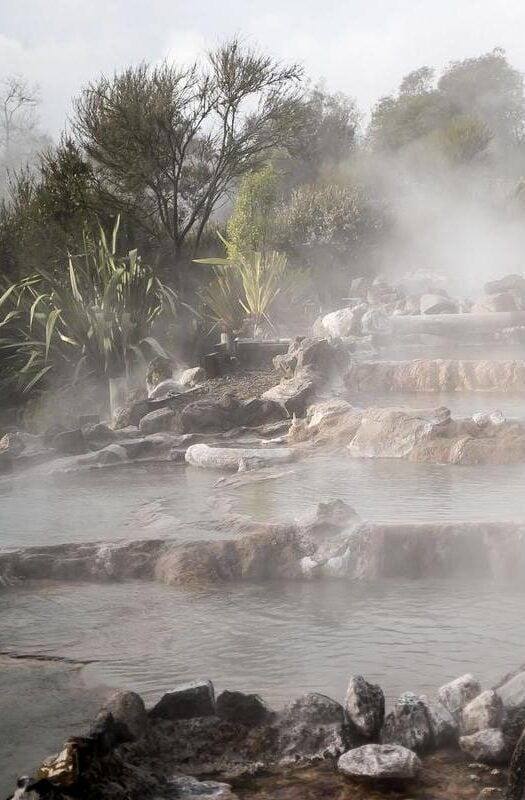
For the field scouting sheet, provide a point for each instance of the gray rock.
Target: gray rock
(311, 727)
(191, 700)
(294, 394)
(437, 304)
(380, 762)
(408, 725)
(112, 454)
(512, 692)
(456, 694)
(485, 711)
(187, 788)
(155, 421)
(229, 458)
(365, 706)
(489, 746)
(128, 709)
(341, 323)
(98, 435)
(245, 709)
(70, 442)
(165, 389)
(192, 377)
(443, 726)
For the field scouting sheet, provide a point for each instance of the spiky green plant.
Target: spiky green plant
(96, 319)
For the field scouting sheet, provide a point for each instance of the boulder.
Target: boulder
(500, 301)
(516, 780)
(456, 694)
(443, 726)
(195, 699)
(70, 442)
(244, 709)
(12, 443)
(185, 787)
(165, 389)
(155, 421)
(192, 377)
(128, 709)
(489, 746)
(375, 321)
(293, 394)
(379, 762)
(344, 322)
(215, 416)
(391, 432)
(408, 725)
(485, 711)
(365, 706)
(437, 304)
(106, 457)
(512, 691)
(510, 283)
(231, 458)
(311, 727)
(159, 370)
(98, 435)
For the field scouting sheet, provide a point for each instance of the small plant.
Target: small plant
(97, 319)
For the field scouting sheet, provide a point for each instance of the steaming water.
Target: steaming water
(183, 503)
(279, 641)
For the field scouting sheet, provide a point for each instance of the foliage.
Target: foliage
(170, 143)
(251, 226)
(462, 140)
(96, 320)
(245, 285)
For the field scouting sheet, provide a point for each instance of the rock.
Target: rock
(293, 394)
(365, 706)
(128, 709)
(165, 389)
(70, 442)
(12, 443)
(490, 793)
(380, 762)
(187, 788)
(62, 769)
(456, 694)
(155, 421)
(344, 322)
(437, 304)
(311, 727)
(245, 709)
(88, 420)
(375, 322)
(408, 725)
(192, 377)
(98, 435)
(191, 700)
(230, 458)
(106, 457)
(510, 283)
(443, 726)
(159, 369)
(485, 711)
(391, 432)
(215, 416)
(512, 692)
(489, 746)
(500, 301)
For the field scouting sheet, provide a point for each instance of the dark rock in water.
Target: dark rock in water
(365, 706)
(155, 421)
(245, 709)
(311, 727)
(191, 700)
(128, 709)
(379, 762)
(408, 725)
(106, 733)
(70, 442)
(177, 455)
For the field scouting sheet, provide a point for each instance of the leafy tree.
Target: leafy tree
(462, 141)
(417, 82)
(171, 142)
(251, 226)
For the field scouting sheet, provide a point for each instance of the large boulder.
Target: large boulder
(379, 762)
(70, 442)
(437, 304)
(233, 458)
(501, 301)
(489, 746)
(195, 699)
(344, 322)
(443, 726)
(293, 394)
(160, 420)
(365, 706)
(485, 711)
(244, 709)
(456, 694)
(214, 416)
(408, 724)
(392, 432)
(128, 710)
(165, 389)
(510, 283)
(311, 727)
(193, 376)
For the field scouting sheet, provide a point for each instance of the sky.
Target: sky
(360, 47)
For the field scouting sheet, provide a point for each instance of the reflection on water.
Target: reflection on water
(278, 640)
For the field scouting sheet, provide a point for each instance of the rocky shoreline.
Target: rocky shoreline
(192, 742)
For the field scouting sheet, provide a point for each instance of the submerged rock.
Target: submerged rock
(230, 458)
(456, 694)
(408, 724)
(191, 700)
(365, 706)
(380, 762)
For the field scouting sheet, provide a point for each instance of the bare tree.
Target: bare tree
(171, 142)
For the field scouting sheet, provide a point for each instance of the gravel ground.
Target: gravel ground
(243, 383)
